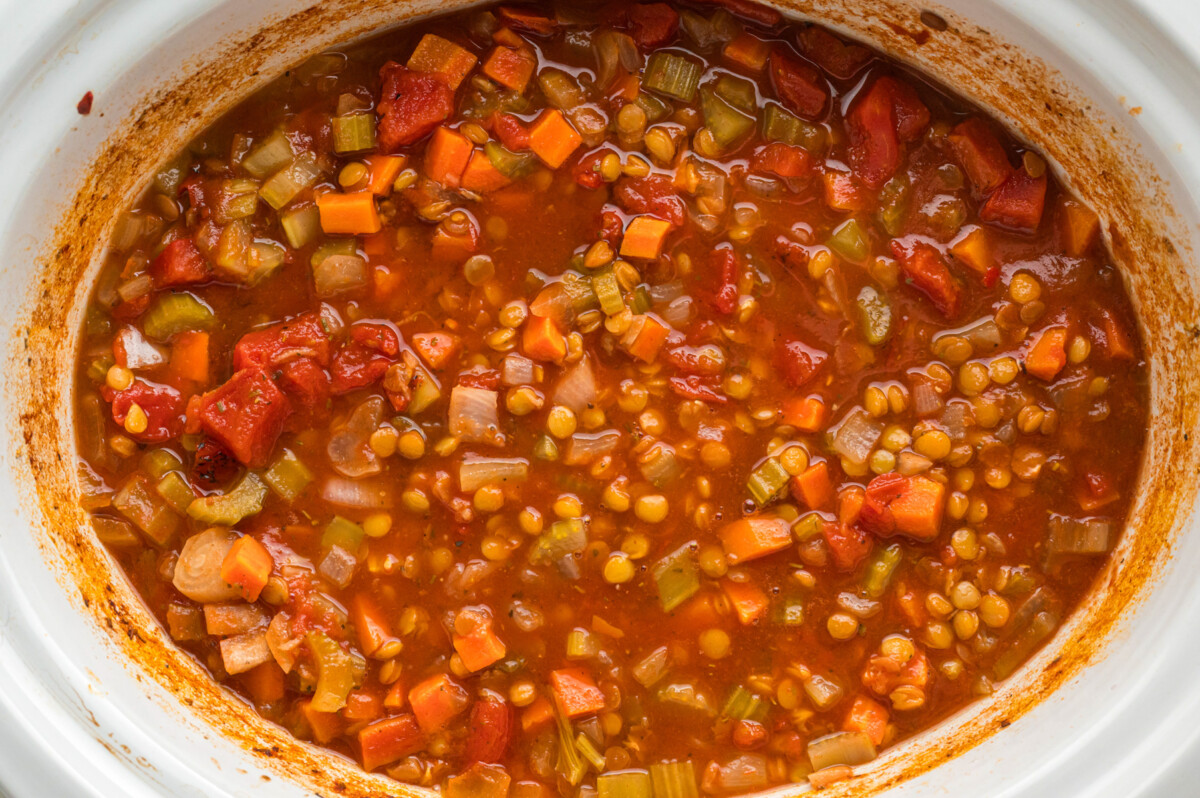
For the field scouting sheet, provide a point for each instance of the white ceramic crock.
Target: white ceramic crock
(78, 719)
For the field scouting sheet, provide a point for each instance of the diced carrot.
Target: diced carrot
(481, 648)
(538, 714)
(379, 246)
(325, 726)
(387, 281)
(349, 214)
(576, 692)
(362, 706)
(397, 695)
(645, 337)
(443, 57)
(605, 628)
(748, 51)
(748, 600)
(436, 701)
(509, 38)
(436, 348)
(553, 139)
(912, 605)
(527, 20)
(850, 501)
(918, 510)
(247, 567)
(480, 780)
(755, 536)
(625, 87)
(975, 249)
(805, 413)
(390, 739)
(697, 613)
(868, 716)
(189, 357)
(644, 237)
(511, 67)
(369, 623)
(264, 682)
(1117, 342)
(1079, 226)
(480, 175)
(382, 171)
(446, 157)
(814, 486)
(1048, 354)
(457, 245)
(842, 192)
(542, 340)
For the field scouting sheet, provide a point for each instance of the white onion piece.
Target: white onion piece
(926, 401)
(338, 566)
(1074, 536)
(135, 288)
(516, 370)
(585, 447)
(243, 652)
(666, 292)
(473, 474)
(577, 387)
(741, 774)
(284, 647)
(841, 748)
(364, 494)
(348, 450)
(823, 692)
(338, 274)
(679, 312)
(140, 353)
(956, 418)
(474, 417)
(198, 569)
(857, 436)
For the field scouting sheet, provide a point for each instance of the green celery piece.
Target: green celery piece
(579, 291)
(570, 764)
(608, 292)
(138, 501)
(274, 153)
(587, 748)
(674, 780)
(508, 163)
(354, 132)
(284, 185)
(879, 570)
(338, 672)
(672, 75)
(157, 462)
(893, 204)
(726, 123)
(780, 124)
(809, 525)
(850, 241)
(791, 613)
(744, 705)
(176, 491)
(239, 200)
(334, 246)
(641, 300)
(287, 476)
(98, 369)
(426, 391)
(343, 533)
(564, 537)
(874, 315)
(767, 481)
(545, 448)
(174, 313)
(624, 784)
(677, 576)
(656, 108)
(301, 225)
(172, 174)
(243, 501)
(738, 92)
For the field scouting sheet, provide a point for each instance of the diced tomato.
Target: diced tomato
(212, 464)
(793, 254)
(365, 357)
(489, 730)
(162, 404)
(479, 377)
(304, 336)
(587, 171)
(843, 192)
(511, 131)
(195, 188)
(1018, 203)
(654, 195)
(836, 57)
(652, 24)
(848, 545)
(128, 311)
(611, 227)
(926, 270)
(306, 382)
(180, 263)
(781, 159)
(981, 154)
(694, 386)
(798, 84)
(723, 263)
(527, 20)
(912, 115)
(1096, 490)
(798, 362)
(246, 415)
(874, 145)
(868, 716)
(413, 104)
(895, 504)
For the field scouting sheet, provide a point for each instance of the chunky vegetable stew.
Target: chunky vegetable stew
(634, 401)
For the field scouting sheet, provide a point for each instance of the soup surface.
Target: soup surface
(640, 401)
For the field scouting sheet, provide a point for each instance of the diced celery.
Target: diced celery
(656, 108)
(677, 576)
(624, 784)
(176, 491)
(588, 749)
(172, 174)
(642, 301)
(233, 247)
(766, 481)
(334, 246)
(567, 536)
(353, 132)
(874, 315)
(726, 123)
(343, 533)
(672, 75)
(560, 89)
(425, 391)
(850, 241)
(545, 448)
(157, 462)
(686, 695)
(578, 290)
(338, 672)
(880, 568)
(738, 92)
(263, 259)
(674, 780)
(744, 705)
(226, 510)
(791, 613)
(174, 313)
(140, 503)
(893, 204)
(301, 225)
(287, 476)
(238, 199)
(809, 525)
(508, 163)
(274, 153)
(581, 644)
(114, 532)
(782, 125)
(570, 765)
(284, 185)
(98, 369)
(608, 291)
(652, 667)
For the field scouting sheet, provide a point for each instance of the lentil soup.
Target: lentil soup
(633, 400)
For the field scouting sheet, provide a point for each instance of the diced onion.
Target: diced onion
(135, 288)
(337, 274)
(139, 353)
(577, 387)
(474, 417)
(516, 370)
(678, 313)
(926, 401)
(243, 652)
(652, 667)
(956, 418)
(1074, 536)
(338, 566)
(857, 436)
(348, 449)
(473, 474)
(283, 646)
(584, 447)
(841, 748)
(823, 692)
(364, 494)
(666, 292)
(741, 774)
(198, 569)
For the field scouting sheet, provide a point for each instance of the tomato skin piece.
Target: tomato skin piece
(245, 415)
(798, 362)
(162, 404)
(490, 727)
(587, 171)
(1018, 203)
(413, 104)
(301, 337)
(875, 514)
(654, 195)
(798, 84)
(306, 382)
(927, 271)
(694, 386)
(652, 24)
(180, 263)
(212, 464)
(723, 261)
(513, 133)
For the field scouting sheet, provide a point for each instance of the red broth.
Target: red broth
(643, 400)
